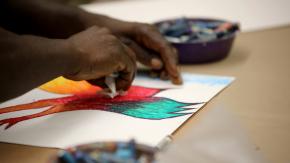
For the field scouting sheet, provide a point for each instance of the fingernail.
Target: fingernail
(177, 81)
(156, 63)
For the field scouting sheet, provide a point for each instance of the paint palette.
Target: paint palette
(106, 152)
(199, 40)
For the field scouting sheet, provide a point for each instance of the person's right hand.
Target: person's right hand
(99, 54)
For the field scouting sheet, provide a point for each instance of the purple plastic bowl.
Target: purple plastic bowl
(201, 52)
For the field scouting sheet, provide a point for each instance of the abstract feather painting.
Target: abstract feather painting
(62, 113)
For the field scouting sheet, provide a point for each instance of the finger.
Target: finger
(154, 40)
(169, 57)
(98, 82)
(164, 75)
(124, 81)
(144, 55)
(127, 70)
(175, 53)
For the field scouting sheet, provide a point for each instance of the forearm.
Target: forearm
(28, 61)
(52, 19)
(40, 17)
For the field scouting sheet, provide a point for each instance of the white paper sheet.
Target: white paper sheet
(83, 126)
(253, 15)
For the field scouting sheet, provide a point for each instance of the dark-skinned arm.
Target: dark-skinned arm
(56, 19)
(28, 61)
(48, 18)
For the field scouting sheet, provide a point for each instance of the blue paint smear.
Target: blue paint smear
(207, 79)
(210, 80)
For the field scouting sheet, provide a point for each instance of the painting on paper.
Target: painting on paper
(62, 113)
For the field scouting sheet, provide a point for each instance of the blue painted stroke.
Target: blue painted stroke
(207, 79)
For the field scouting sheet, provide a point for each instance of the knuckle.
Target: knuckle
(105, 30)
(112, 39)
(144, 27)
(94, 27)
(112, 43)
(151, 28)
(115, 49)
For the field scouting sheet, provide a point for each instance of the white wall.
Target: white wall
(252, 14)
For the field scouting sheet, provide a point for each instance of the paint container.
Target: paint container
(199, 40)
(106, 152)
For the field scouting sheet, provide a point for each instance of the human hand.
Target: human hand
(145, 40)
(98, 53)
(152, 50)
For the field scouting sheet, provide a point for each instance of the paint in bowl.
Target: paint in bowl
(199, 40)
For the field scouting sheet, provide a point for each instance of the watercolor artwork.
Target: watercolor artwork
(62, 113)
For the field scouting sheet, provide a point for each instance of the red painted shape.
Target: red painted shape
(95, 101)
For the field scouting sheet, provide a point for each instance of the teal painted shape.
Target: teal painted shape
(160, 108)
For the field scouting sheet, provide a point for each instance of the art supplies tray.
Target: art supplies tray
(106, 152)
(199, 40)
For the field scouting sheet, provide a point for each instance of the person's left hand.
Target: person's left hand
(149, 45)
